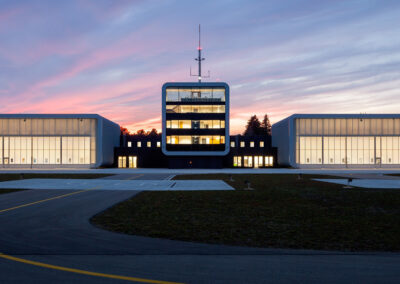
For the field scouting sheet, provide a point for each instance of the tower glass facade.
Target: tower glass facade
(195, 119)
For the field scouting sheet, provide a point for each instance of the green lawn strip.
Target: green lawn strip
(281, 212)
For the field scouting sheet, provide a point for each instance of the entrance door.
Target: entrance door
(132, 162)
(121, 162)
(378, 161)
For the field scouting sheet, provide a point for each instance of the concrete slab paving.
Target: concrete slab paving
(109, 184)
(117, 171)
(367, 183)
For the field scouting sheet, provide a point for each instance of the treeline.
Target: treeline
(256, 127)
(140, 132)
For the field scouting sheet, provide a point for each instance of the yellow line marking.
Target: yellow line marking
(135, 177)
(44, 200)
(73, 270)
(84, 272)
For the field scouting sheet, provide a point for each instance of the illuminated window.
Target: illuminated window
(195, 109)
(203, 139)
(174, 123)
(195, 95)
(233, 144)
(241, 144)
(261, 144)
(121, 162)
(237, 161)
(158, 144)
(216, 124)
(132, 162)
(252, 144)
(248, 161)
(258, 161)
(148, 144)
(139, 144)
(268, 161)
(129, 143)
(195, 124)
(205, 124)
(185, 124)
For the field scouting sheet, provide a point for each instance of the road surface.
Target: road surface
(46, 237)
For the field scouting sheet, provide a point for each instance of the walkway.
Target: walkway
(110, 184)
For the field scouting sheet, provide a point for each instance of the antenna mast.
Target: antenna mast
(199, 59)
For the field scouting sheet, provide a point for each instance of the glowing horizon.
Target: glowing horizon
(278, 57)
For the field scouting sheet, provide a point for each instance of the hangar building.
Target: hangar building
(338, 140)
(57, 140)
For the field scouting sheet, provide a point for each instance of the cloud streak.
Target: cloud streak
(279, 57)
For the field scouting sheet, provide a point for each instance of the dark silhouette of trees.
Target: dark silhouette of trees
(152, 133)
(266, 125)
(255, 127)
(124, 130)
(140, 132)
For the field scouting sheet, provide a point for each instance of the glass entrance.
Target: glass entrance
(121, 162)
(132, 162)
(256, 162)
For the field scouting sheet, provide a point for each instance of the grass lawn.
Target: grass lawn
(282, 212)
(7, 177)
(8, 190)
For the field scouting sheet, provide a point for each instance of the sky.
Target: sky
(112, 57)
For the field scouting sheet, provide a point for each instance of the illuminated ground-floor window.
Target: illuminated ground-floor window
(344, 150)
(132, 162)
(269, 161)
(237, 161)
(253, 161)
(47, 150)
(258, 161)
(121, 162)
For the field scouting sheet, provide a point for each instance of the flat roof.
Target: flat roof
(195, 84)
(55, 115)
(340, 115)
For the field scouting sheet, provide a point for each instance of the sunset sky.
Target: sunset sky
(279, 57)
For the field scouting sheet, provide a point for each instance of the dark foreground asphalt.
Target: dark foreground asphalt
(58, 232)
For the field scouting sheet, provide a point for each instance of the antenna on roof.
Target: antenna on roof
(199, 59)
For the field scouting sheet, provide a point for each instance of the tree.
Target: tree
(253, 126)
(140, 132)
(152, 133)
(124, 130)
(266, 125)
